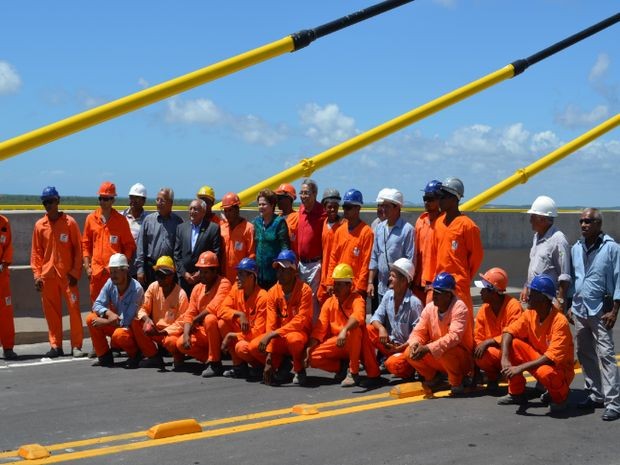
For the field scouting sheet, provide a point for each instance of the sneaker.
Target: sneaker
(512, 399)
(92, 354)
(152, 362)
(213, 369)
(300, 378)
(77, 353)
(54, 352)
(350, 380)
(342, 373)
(610, 415)
(106, 360)
(545, 398)
(9, 354)
(237, 371)
(589, 404)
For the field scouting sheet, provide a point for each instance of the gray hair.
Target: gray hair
(169, 192)
(596, 213)
(200, 202)
(312, 184)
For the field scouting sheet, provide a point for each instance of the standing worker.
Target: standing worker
(7, 325)
(237, 236)
(135, 214)
(285, 196)
(331, 202)
(56, 262)
(207, 194)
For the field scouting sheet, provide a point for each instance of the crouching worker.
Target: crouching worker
(391, 324)
(114, 315)
(539, 342)
(442, 342)
(161, 315)
(337, 340)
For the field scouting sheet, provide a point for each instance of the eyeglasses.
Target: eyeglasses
(587, 220)
(430, 198)
(48, 201)
(105, 199)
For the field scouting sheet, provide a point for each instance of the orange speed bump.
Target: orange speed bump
(174, 428)
(407, 390)
(305, 409)
(33, 452)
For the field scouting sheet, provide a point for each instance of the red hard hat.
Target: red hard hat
(287, 189)
(230, 200)
(207, 260)
(497, 277)
(107, 189)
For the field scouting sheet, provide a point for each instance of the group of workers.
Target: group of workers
(289, 290)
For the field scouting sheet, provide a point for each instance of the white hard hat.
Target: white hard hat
(405, 267)
(138, 189)
(544, 206)
(391, 195)
(118, 260)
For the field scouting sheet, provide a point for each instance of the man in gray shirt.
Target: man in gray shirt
(157, 236)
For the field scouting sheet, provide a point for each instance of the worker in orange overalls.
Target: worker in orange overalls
(201, 337)
(425, 253)
(497, 311)
(7, 325)
(331, 203)
(161, 315)
(56, 262)
(207, 194)
(289, 319)
(106, 232)
(442, 340)
(337, 342)
(237, 236)
(539, 342)
(244, 314)
(457, 242)
(352, 243)
(114, 315)
(285, 196)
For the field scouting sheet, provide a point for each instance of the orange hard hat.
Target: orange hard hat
(230, 200)
(107, 189)
(207, 260)
(287, 189)
(497, 277)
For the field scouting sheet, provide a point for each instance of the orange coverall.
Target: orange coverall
(551, 338)
(449, 339)
(327, 355)
(425, 256)
(100, 241)
(354, 248)
(57, 253)
(396, 363)
(327, 241)
(488, 326)
(291, 319)
(292, 220)
(459, 252)
(205, 339)
(255, 309)
(167, 314)
(237, 244)
(7, 325)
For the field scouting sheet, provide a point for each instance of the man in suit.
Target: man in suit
(192, 238)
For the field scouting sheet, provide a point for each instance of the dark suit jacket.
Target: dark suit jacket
(208, 239)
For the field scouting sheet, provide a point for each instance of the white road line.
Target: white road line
(43, 361)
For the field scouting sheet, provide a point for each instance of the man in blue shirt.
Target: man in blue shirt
(114, 315)
(595, 274)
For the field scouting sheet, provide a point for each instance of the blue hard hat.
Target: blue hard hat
(353, 197)
(433, 187)
(48, 192)
(247, 264)
(543, 284)
(286, 258)
(444, 281)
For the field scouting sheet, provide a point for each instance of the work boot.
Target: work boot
(350, 380)
(152, 362)
(610, 415)
(555, 408)
(457, 390)
(213, 369)
(545, 398)
(512, 399)
(492, 386)
(106, 360)
(369, 383)
(133, 362)
(300, 378)
(342, 373)
(436, 384)
(77, 352)
(255, 373)
(8, 354)
(54, 352)
(237, 371)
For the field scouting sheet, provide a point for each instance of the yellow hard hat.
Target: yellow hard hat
(206, 191)
(343, 272)
(164, 263)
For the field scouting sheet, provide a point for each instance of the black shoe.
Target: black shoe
(237, 371)
(369, 383)
(342, 373)
(133, 362)
(512, 399)
(152, 362)
(9, 354)
(55, 352)
(610, 415)
(255, 373)
(106, 360)
(545, 398)
(214, 369)
(589, 404)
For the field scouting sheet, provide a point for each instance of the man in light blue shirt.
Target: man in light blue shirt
(595, 293)
(393, 240)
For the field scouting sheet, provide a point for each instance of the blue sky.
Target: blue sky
(61, 58)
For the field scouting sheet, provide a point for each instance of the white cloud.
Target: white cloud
(199, 111)
(574, 117)
(256, 131)
(600, 67)
(326, 125)
(9, 79)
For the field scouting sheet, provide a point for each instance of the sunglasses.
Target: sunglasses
(430, 198)
(105, 199)
(587, 221)
(48, 201)
(347, 206)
